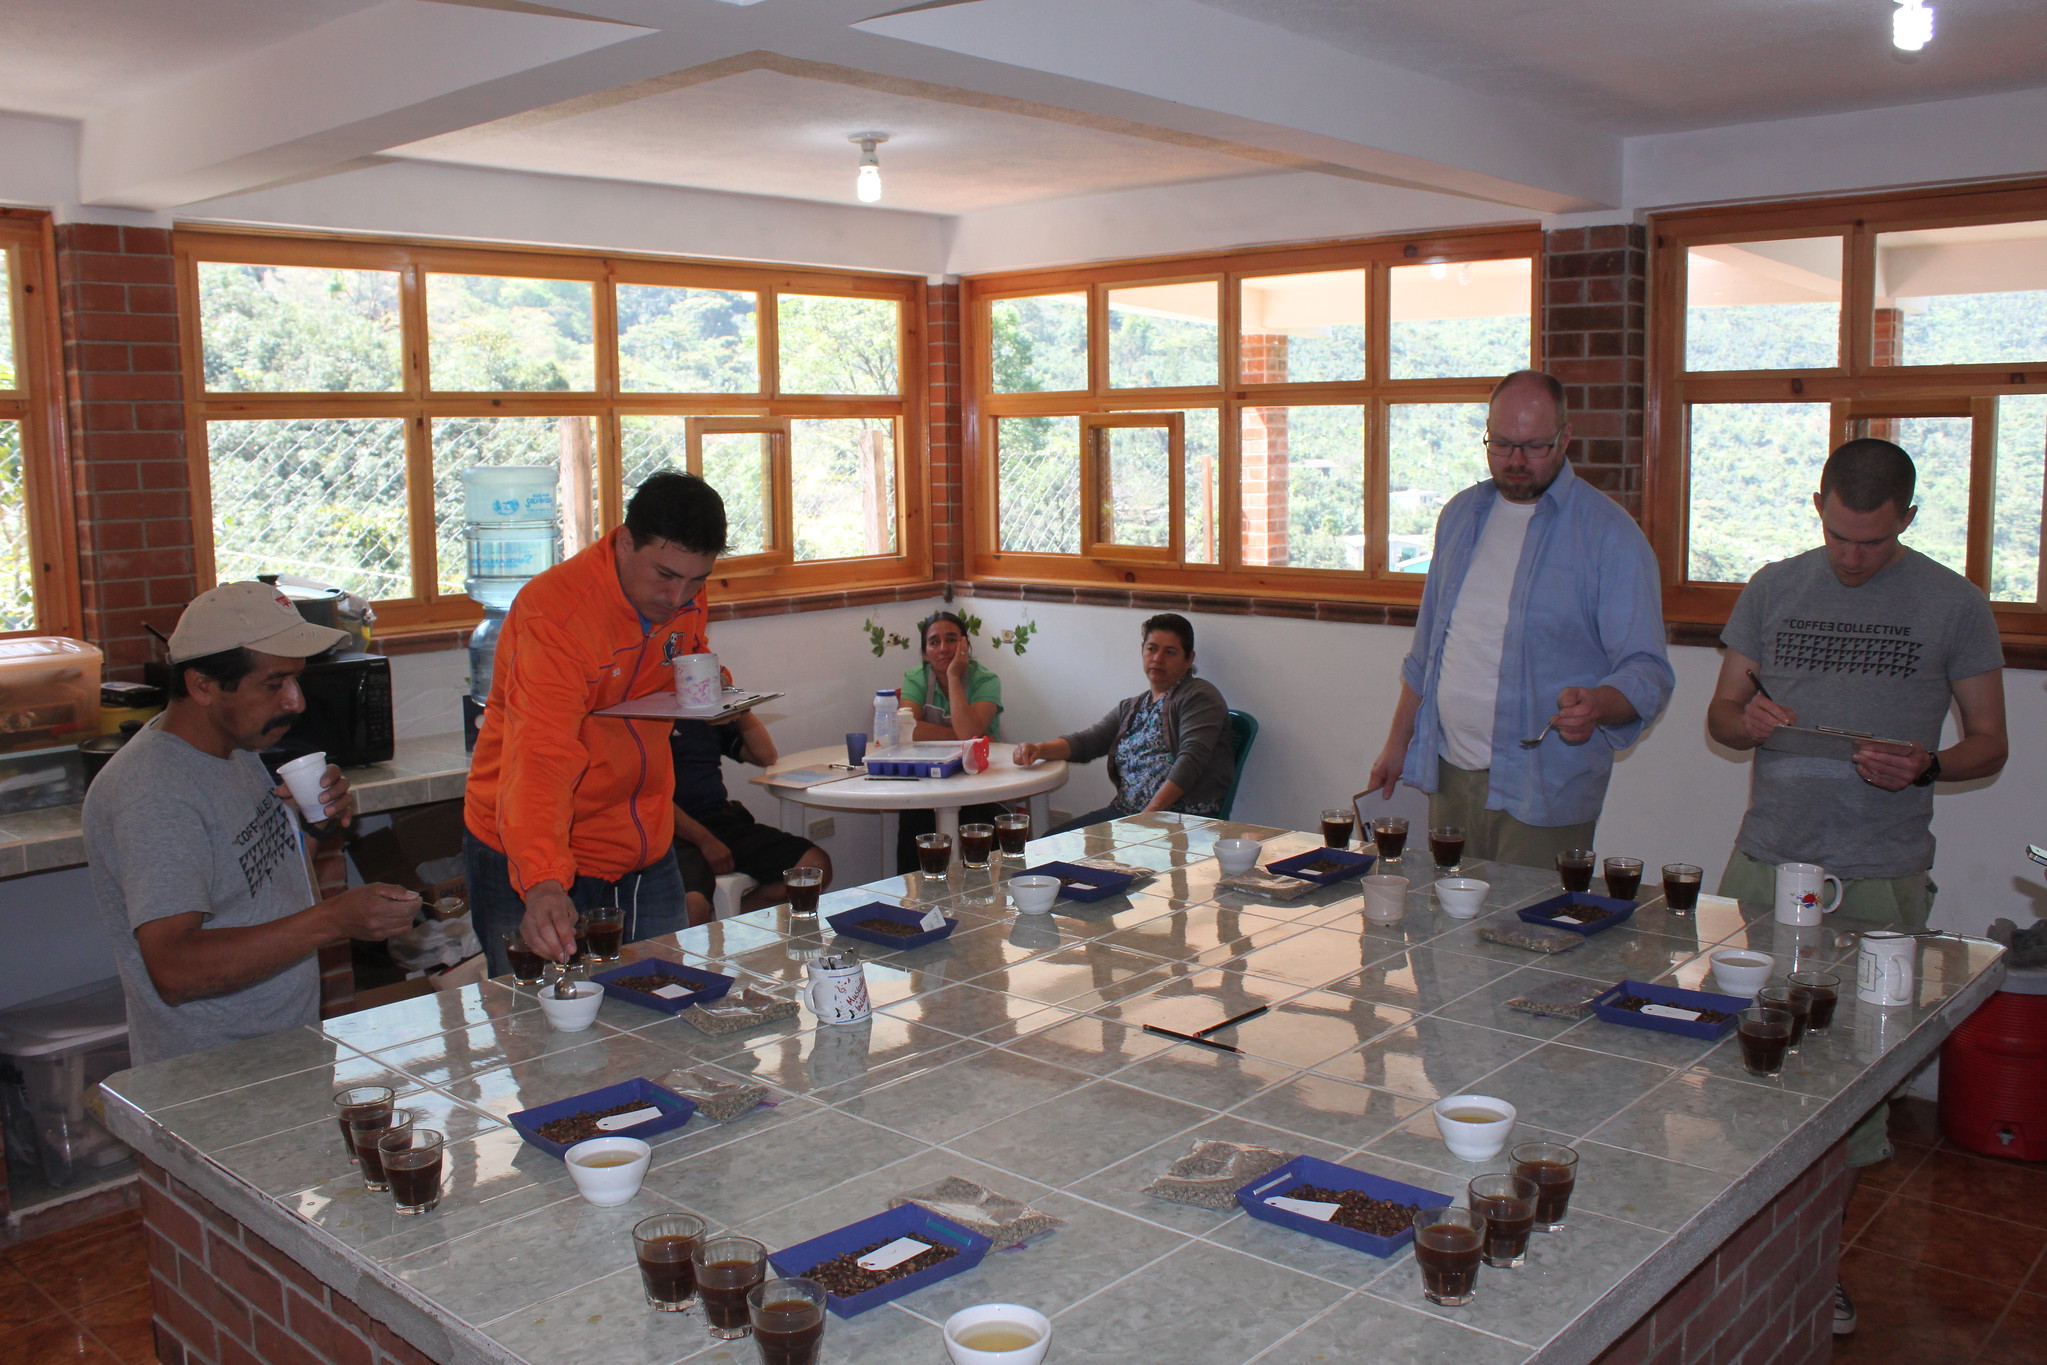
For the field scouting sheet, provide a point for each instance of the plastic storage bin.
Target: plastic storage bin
(53, 1052)
(49, 693)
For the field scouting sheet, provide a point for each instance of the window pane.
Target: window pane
(1304, 486)
(1754, 469)
(1962, 296)
(1453, 319)
(1137, 485)
(17, 559)
(1939, 447)
(1037, 470)
(648, 445)
(7, 329)
(320, 497)
(2015, 526)
(736, 464)
(844, 476)
(494, 333)
(298, 329)
(1434, 451)
(838, 345)
(687, 340)
(1764, 305)
(1301, 329)
(1201, 429)
(1164, 335)
(468, 442)
(1038, 344)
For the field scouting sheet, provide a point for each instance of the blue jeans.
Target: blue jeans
(652, 898)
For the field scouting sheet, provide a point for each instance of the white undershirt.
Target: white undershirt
(1469, 685)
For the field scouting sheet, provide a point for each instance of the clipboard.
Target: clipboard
(665, 705)
(1823, 741)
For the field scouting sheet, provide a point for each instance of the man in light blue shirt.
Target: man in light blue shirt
(1542, 608)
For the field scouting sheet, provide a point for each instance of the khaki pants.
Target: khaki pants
(1460, 799)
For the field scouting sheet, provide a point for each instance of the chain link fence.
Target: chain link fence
(321, 497)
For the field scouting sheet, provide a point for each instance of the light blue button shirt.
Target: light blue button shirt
(1586, 609)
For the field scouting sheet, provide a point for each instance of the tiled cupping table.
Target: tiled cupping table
(1011, 1054)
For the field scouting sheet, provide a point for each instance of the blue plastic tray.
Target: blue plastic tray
(1618, 912)
(1099, 884)
(718, 984)
(847, 922)
(909, 1220)
(1730, 1005)
(1354, 865)
(1308, 1170)
(675, 1112)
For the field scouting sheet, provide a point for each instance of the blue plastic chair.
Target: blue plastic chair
(1244, 730)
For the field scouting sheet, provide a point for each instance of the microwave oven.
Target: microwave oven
(347, 715)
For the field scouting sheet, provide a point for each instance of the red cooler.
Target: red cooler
(1993, 1072)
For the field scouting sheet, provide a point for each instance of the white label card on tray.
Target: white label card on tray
(934, 918)
(1307, 1208)
(671, 991)
(894, 1254)
(1671, 1012)
(613, 1122)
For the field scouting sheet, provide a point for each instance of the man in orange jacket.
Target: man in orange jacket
(567, 811)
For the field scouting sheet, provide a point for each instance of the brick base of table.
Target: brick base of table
(1766, 1297)
(225, 1296)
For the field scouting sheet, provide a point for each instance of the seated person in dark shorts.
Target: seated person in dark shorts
(715, 834)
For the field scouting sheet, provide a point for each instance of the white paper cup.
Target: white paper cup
(572, 1015)
(1737, 971)
(982, 1316)
(1472, 1139)
(1237, 855)
(302, 776)
(1462, 897)
(608, 1186)
(1033, 895)
(1385, 898)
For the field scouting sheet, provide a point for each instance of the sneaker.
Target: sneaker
(1844, 1310)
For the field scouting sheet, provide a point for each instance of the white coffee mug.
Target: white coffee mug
(698, 684)
(837, 989)
(1884, 968)
(1799, 890)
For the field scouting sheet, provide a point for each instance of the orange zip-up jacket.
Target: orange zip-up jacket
(560, 792)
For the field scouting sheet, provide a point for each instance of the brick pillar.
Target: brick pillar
(944, 401)
(1885, 352)
(125, 398)
(1595, 339)
(1263, 457)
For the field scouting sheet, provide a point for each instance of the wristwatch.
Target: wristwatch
(1932, 773)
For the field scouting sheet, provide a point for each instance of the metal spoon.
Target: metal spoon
(1531, 743)
(561, 982)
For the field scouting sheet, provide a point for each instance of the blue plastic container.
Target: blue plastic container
(907, 1221)
(899, 766)
(1354, 865)
(675, 1112)
(1308, 1170)
(1732, 1006)
(848, 922)
(715, 986)
(1545, 913)
(1077, 883)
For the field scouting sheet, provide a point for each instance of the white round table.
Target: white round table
(1003, 781)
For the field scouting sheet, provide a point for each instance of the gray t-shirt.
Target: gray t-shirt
(1881, 658)
(170, 830)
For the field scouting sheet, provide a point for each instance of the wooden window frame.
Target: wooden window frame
(987, 562)
(1856, 387)
(746, 578)
(1096, 494)
(37, 403)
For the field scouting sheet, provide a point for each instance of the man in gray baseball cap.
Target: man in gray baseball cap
(196, 860)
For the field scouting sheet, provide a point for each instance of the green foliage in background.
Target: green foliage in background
(1016, 639)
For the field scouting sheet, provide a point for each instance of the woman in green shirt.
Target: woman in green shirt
(956, 697)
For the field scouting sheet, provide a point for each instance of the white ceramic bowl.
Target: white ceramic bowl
(575, 1014)
(1736, 971)
(1462, 897)
(968, 1318)
(1237, 855)
(1034, 895)
(608, 1186)
(1471, 1139)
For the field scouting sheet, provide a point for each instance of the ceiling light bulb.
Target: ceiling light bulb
(1438, 270)
(1911, 25)
(867, 182)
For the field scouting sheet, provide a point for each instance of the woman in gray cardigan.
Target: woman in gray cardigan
(1169, 748)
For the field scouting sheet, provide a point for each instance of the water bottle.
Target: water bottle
(512, 533)
(884, 719)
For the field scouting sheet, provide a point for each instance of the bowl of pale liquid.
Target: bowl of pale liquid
(608, 1170)
(1474, 1127)
(997, 1334)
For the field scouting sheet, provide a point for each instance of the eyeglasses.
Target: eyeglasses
(1527, 449)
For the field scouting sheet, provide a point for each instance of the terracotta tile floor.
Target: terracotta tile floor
(1946, 1258)
(81, 1296)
